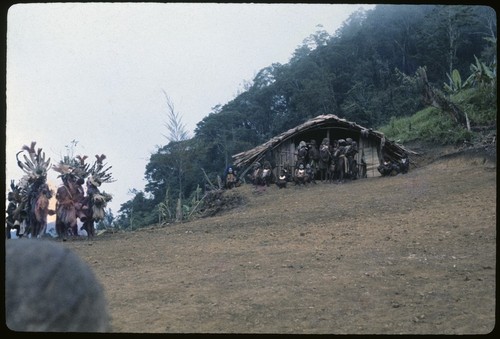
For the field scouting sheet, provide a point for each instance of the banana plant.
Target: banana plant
(482, 75)
(455, 84)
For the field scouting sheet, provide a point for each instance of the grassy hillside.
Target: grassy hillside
(433, 125)
(429, 124)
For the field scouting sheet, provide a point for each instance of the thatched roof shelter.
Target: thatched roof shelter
(330, 126)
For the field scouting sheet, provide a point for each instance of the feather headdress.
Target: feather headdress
(72, 166)
(15, 191)
(99, 172)
(35, 165)
(81, 168)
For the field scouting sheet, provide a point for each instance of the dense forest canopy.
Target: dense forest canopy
(360, 73)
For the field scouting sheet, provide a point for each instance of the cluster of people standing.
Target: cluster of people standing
(329, 162)
(72, 203)
(28, 200)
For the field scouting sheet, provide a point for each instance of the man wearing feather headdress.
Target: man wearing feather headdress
(95, 201)
(69, 198)
(35, 191)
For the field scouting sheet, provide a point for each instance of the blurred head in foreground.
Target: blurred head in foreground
(48, 288)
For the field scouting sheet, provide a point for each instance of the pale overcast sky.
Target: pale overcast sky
(96, 72)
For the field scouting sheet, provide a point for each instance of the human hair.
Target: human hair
(48, 288)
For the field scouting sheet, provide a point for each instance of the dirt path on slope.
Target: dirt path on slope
(411, 254)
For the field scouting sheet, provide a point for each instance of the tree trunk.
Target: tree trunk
(433, 97)
(178, 212)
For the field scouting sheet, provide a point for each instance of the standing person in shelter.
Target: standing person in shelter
(314, 158)
(350, 152)
(325, 157)
(302, 151)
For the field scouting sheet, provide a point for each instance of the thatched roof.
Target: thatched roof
(391, 149)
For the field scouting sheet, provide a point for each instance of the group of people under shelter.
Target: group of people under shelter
(330, 162)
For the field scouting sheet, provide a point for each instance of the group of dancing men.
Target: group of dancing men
(28, 200)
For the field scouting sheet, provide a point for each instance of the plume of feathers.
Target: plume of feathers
(100, 158)
(13, 186)
(99, 173)
(72, 166)
(81, 159)
(81, 169)
(62, 168)
(34, 165)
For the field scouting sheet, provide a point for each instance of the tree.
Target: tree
(176, 135)
(136, 212)
(176, 129)
(456, 19)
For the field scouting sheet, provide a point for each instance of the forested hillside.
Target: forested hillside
(369, 72)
